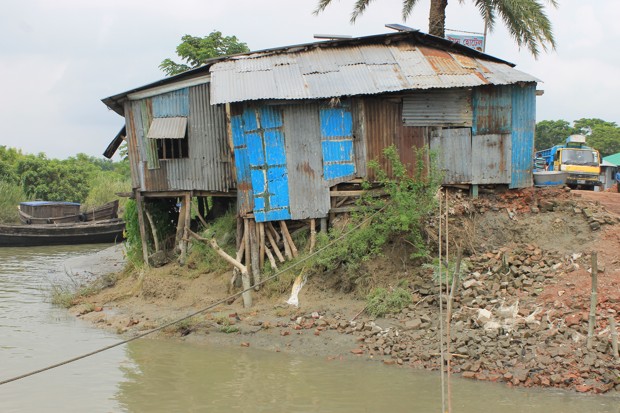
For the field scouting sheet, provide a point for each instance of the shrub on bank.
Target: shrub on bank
(12, 195)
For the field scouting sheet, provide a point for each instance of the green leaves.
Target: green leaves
(602, 135)
(194, 51)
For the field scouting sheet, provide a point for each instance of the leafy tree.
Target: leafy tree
(552, 132)
(195, 50)
(585, 126)
(526, 20)
(606, 138)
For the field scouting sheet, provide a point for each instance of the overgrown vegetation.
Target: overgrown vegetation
(203, 257)
(398, 215)
(70, 293)
(12, 195)
(381, 301)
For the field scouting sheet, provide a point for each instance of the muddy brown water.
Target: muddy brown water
(164, 376)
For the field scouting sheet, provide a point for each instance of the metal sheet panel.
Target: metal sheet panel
(171, 104)
(492, 110)
(491, 159)
(454, 154)
(245, 194)
(132, 144)
(309, 193)
(260, 130)
(438, 108)
(336, 125)
(167, 128)
(523, 124)
(314, 73)
(383, 127)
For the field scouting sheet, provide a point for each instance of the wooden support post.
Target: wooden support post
(473, 191)
(274, 245)
(274, 233)
(239, 257)
(254, 252)
(245, 277)
(153, 228)
(288, 238)
(287, 247)
(261, 241)
(140, 207)
(246, 237)
(593, 300)
(614, 338)
(272, 260)
(324, 225)
(180, 224)
(312, 234)
(187, 215)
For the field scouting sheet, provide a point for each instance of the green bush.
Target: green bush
(12, 195)
(381, 302)
(104, 188)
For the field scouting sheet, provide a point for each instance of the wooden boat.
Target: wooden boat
(93, 232)
(46, 212)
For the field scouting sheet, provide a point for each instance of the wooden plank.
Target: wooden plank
(288, 239)
(145, 248)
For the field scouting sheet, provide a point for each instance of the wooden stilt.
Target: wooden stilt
(324, 225)
(312, 234)
(274, 233)
(180, 224)
(246, 238)
(287, 247)
(274, 245)
(261, 240)
(245, 277)
(153, 229)
(187, 201)
(239, 257)
(254, 252)
(272, 260)
(288, 238)
(145, 247)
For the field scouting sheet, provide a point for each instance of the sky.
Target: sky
(59, 58)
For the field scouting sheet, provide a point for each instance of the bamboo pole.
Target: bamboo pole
(593, 300)
(441, 349)
(449, 310)
(312, 234)
(254, 250)
(274, 245)
(288, 238)
(287, 247)
(180, 222)
(145, 247)
(245, 277)
(187, 201)
(239, 257)
(246, 237)
(614, 338)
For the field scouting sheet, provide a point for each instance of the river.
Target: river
(166, 376)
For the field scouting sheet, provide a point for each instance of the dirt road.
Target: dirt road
(610, 200)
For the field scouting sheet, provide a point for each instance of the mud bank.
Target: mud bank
(520, 312)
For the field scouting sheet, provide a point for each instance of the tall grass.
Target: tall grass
(104, 189)
(10, 196)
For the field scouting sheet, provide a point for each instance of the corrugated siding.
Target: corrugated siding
(208, 167)
(383, 127)
(336, 125)
(266, 156)
(209, 152)
(245, 194)
(309, 193)
(132, 145)
(491, 159)
(454, 154)
(167, 128)
(438, 108)
(492, 110)
(523, 124)
(318, 73)
(171, 104)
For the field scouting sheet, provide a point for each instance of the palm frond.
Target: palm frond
(408, 6)
(359, 8)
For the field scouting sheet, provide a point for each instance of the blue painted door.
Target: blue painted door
(260, 155)
(337, 142)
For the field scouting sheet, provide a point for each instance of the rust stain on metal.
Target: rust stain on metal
(306, 169)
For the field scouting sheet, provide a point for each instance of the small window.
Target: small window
(171, 137)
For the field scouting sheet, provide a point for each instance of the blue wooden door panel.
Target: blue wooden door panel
(337, 142)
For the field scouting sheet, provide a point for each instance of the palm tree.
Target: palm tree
(526, 20)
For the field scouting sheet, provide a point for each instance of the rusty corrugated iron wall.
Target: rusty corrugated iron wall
(208, 165)
(383, 126)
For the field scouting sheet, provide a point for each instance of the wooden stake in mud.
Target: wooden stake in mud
(272, 260)
(254, 252)
(312, 234)
(246, 237)
(287, 247)
(245, 277)
(153, 229)
(261, 240)
(287, 237)
(448, 312)
(239, 257)
(274, 245)
(441, 348)
(593, 300)
(140, 208)
(614, 338)
(187, 201)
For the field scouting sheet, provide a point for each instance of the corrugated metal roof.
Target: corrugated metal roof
(353, 70)
(167, 128)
